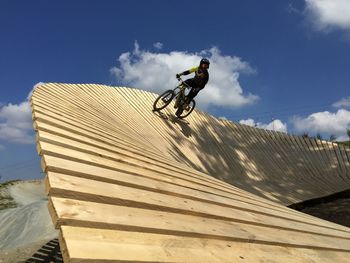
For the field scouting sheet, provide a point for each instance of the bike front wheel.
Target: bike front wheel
(163, 100)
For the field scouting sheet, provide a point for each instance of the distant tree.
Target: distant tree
(348, 132)
(332, 137)
(305, 135)
(319, 136)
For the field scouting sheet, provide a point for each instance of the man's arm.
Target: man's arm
(186, 72)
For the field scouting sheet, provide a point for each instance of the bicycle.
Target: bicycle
(179, 94)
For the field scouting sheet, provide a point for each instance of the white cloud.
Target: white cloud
(324, 122)
(328, 14)
(16, 123)
(156, 72)
(293, 10)
(275, 125)
(343, 103)
(249, 122)
(158, 45)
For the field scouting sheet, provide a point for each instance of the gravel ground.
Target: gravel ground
(25, 224)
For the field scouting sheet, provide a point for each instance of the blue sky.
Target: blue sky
(293, 57)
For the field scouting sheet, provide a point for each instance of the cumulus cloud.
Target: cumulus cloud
(324, 122)
(343, 103)
(156, 72)
(16, 122)
(158, 45)
(326, 15)
(275, 125)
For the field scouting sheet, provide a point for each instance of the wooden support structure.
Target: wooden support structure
(126, 184)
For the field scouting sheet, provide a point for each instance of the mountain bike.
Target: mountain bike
(183, 109)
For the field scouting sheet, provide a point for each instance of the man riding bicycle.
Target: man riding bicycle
(199, 81)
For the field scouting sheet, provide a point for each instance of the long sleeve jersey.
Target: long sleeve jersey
(201, 76)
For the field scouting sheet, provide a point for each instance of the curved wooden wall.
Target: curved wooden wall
(129, 185)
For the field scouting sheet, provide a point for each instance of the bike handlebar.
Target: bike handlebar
(182, 82)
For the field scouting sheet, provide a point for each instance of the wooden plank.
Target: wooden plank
(62, 185)
(342, 149)
(313, 178)
(131, 118)
(302, 168)
(342, 160)
(69, 111)
(90, 214)
(87, 124)
(174, 138)
(257, 140)
(332, 160)
(324, 158)
(101, 245)
(276, 171)
(218, 159)
(274, 180)
(338, 159)
(120, 107)
(172, 186)
(316, 158)
(245, 159)
(134, 100)
(176, 178)
(55, 126)
(289, 161)
(84, 153)
(184, 173)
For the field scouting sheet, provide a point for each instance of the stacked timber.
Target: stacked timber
(126, 184)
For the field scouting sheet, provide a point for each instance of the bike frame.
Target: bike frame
(181, 94)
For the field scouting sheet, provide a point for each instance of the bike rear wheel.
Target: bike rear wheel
(182, 113)
(163, 100)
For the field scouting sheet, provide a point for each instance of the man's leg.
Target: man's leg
(193, 93)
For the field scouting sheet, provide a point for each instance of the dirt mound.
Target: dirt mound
(25, 222)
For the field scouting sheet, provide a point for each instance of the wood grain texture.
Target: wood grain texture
(126, 184)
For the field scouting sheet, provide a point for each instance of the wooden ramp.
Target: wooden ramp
(129, 185)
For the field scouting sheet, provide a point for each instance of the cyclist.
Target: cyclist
(198, 82)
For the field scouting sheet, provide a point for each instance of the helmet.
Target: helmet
(204, 61)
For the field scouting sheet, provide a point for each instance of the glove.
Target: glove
(178, 76)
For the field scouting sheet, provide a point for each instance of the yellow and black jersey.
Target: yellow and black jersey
(201, 76)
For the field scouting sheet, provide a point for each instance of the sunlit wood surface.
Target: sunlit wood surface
(126, 184)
